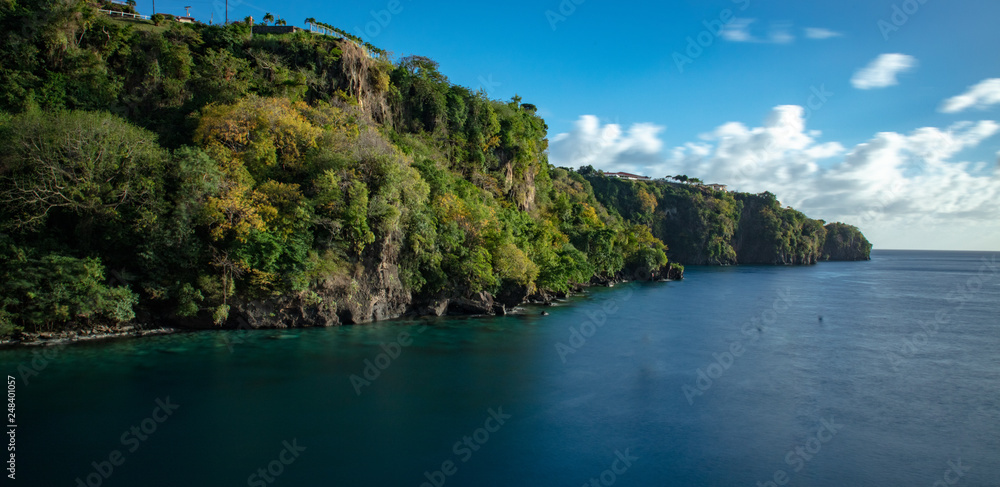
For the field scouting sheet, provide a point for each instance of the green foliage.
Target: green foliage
(776, 235)
(845, 242)
(41, 292)
(356, 230)
(187, 300)
(221, 77)
(299, 164)
(8, 326)
(91, 166)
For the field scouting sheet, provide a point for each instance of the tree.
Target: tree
(56, 288)
(94, 166)
(259, 133)
(356, 230)
(221, 77)
(268, 17)
(647, 202)
(280, 22)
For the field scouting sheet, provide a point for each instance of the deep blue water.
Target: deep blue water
(897, 384)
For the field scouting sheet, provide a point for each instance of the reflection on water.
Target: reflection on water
(732, 376)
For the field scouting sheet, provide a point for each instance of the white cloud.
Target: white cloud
(821, 33)
(590, 143)
(738, 30)
(780, 33)
(903, 190)
(981, 96)
(882, 72)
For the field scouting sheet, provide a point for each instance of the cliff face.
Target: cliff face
(771, 235)
(295, 180)
(702, 226)
(845, 242)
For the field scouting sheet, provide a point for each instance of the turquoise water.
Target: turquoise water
(730, 377)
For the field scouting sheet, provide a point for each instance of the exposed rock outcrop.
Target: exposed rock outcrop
(477, 304)
(846, 242)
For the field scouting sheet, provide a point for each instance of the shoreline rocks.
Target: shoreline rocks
(308, 310)
(82, 334)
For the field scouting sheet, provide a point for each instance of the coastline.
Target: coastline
(483, 305)
(80, 334)
(86, 335)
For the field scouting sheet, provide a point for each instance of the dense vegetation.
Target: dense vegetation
(197, 174)
(705, 226)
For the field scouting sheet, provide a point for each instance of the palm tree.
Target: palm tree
(280, 22)
(309, 22)
(268, 18)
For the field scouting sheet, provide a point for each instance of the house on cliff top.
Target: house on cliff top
(627, 176)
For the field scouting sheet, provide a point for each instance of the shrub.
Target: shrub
(57, 288)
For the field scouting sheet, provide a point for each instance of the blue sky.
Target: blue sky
(605, 76)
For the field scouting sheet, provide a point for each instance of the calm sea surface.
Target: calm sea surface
(878, 373)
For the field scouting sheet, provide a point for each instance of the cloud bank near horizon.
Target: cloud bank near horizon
(902, 190)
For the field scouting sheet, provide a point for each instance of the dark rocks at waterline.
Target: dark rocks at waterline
(319, 308)
(437, 307)
(675, 273)
(80, 333)
(511, 296)
(476, 304)
(482, 303)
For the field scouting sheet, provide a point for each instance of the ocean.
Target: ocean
(880, 373)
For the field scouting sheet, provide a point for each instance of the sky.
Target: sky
(878, 113)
